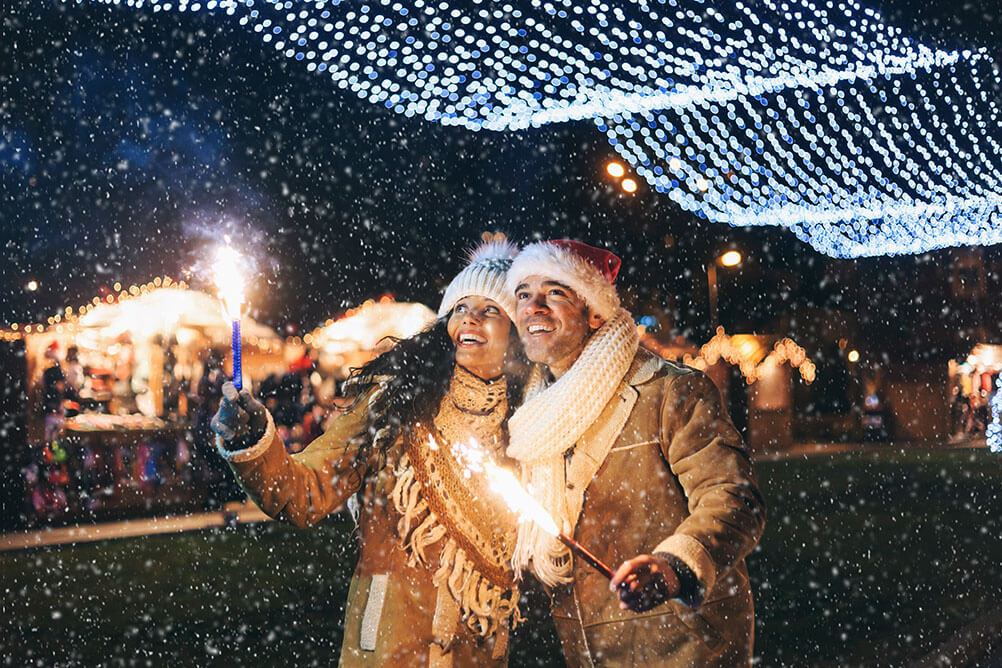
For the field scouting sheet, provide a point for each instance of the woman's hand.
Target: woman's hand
(241, 419)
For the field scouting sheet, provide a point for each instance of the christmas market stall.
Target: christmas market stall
(303, 393)
(119, 396)
(973, 382)
(754, 374)
(365, 332)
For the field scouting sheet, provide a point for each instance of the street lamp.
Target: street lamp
(615, 170)
(731, 258)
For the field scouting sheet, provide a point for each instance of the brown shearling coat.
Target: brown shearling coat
(306, 487)
(677, 480)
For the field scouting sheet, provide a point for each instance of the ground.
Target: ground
(868, 557)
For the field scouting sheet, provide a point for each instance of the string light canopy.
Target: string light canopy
(815, 116)
(889, 165)
(993, 434)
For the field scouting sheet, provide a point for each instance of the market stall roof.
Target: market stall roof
(750, 353)
(985, 356)
(366, 326)
(167, 311)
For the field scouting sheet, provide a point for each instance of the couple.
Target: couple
(633, 456)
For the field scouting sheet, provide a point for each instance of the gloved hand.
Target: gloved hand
(644, 582)
(241, 419)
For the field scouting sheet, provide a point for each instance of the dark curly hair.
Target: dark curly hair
(414, 376)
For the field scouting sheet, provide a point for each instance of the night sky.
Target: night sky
(131, 141)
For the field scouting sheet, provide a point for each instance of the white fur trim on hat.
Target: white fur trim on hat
(564, 266)
(484, 276)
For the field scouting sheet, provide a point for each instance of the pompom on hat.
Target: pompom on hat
(484, 276)
(588, 271)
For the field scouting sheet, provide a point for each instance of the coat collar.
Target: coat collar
(644, 366)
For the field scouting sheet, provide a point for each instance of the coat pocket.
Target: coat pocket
(699, 627)
(373, 612)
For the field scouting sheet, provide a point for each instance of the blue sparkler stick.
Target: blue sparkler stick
(237, 372)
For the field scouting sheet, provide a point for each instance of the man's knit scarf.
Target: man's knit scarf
(549, 423)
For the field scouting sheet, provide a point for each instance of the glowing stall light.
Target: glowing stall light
(993, 435)
(811, 115)
(229, 281)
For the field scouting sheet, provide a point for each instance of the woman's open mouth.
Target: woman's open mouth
(470, 339)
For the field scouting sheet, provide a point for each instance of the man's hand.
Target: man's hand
(241, 419)
(644, 582)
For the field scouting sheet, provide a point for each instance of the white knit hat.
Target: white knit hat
(588, 271)
(484, 277)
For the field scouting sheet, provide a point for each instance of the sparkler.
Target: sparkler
(505, 484)
(231, 292)
(528, 509)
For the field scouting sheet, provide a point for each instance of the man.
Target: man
(637, 459)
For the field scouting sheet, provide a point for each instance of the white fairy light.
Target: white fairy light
(815, 116)
(993, 435)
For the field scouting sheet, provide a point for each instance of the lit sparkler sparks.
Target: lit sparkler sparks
(230, 283)
(504, 483)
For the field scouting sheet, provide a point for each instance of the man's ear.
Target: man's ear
(595, 321)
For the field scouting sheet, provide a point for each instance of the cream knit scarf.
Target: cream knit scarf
(549, 423)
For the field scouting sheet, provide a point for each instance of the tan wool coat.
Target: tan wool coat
(677, 480)
(391, 604)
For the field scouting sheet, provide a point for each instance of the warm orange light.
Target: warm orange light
(32, 286)
(503, 482)
(853, 355)
(229, 281)
(615, 169)
(730, 259)
(629, 185)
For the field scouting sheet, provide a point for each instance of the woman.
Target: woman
(448, 597)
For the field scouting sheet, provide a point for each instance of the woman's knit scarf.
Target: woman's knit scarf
(440, 501)
(549, 423)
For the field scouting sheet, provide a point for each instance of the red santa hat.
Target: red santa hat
(588, 271)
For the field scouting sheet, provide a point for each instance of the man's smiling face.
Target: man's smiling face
(552, 321)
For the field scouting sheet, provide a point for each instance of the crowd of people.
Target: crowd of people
(970, 413)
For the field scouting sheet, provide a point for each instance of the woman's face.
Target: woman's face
(480, 331)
